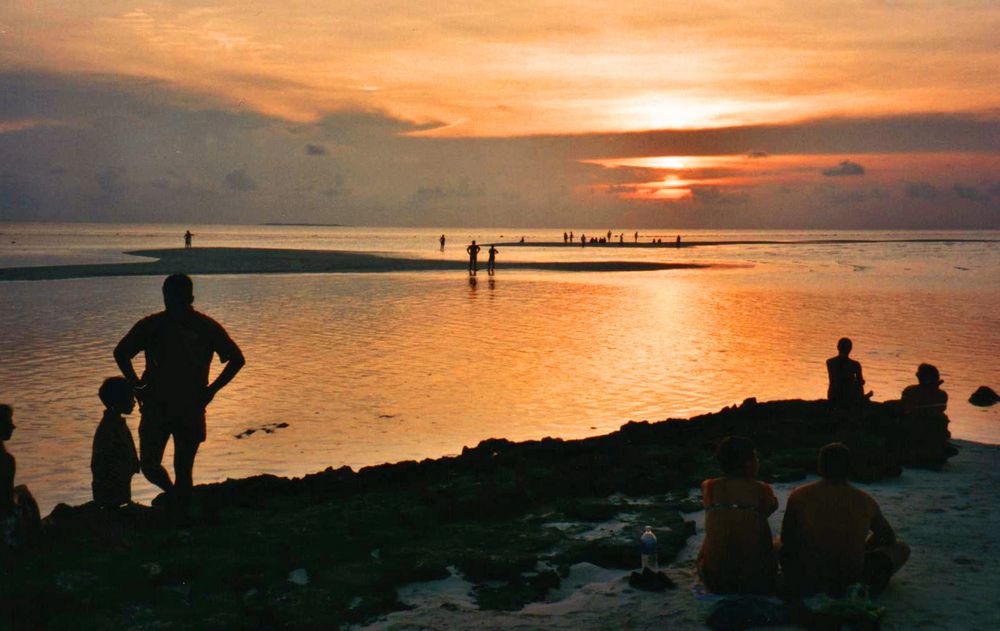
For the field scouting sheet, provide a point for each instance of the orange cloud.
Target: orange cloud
(514, 67)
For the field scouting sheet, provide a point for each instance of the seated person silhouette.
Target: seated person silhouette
(19, 516)
(114, 460)
(737, 555)
(834, 535)
(925, 425)
(925, 398)
(846, 387)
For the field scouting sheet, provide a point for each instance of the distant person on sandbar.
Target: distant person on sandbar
(636, 236)
(187, 238)
(571, 239)
(834, 535)
(621, 238)
(174, 390)
(114, 459)
(491, 262)
(19, 516)
(441, 240)
(473, 251)
(737, 555)
(609, 235)
(846, 387)
(583, 240)
(565, 238)
(678, 241)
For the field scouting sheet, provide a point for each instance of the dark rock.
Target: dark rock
(650, 581)
(984, 397)
(478, 511)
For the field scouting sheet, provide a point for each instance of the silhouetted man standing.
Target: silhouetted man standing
(174, 390)
(491, 263)
(473, 251)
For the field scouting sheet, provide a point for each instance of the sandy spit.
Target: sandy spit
(278, 261)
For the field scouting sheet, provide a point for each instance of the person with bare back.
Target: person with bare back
(846, 389)
(174, 389)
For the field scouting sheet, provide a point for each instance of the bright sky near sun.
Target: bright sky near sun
(518, 67)
(339, 83)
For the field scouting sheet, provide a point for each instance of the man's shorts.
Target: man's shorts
(159, 422)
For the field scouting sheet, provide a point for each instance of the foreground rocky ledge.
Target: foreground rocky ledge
(332, 548)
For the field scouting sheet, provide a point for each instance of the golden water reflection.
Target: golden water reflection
(374, 368)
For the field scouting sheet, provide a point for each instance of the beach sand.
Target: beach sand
(278, 261)
(951, 519)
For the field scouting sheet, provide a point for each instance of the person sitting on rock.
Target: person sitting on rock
(846, 387)
(925, 425)
(926, 397)
(834, 535)
(737, 555)
(19, 516)
(114, 460)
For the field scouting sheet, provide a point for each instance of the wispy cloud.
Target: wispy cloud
(122, 148)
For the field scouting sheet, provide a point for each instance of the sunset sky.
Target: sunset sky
(714, 114)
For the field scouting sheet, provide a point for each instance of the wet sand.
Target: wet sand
(277, 261)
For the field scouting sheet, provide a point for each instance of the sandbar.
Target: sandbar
(669, 242)
(289, 261)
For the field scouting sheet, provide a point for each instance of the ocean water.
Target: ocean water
(371, 368)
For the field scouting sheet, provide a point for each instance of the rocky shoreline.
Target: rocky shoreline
(332, 548)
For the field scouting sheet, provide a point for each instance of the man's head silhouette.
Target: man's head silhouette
(178, 293)
(834, 462)
(928, 375)
(844, 346)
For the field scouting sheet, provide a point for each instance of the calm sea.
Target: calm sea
(370, 368)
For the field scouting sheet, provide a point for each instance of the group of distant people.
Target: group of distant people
(569, 237)
(833, 535)
(473, 249)
(491, 262)
(173, 393)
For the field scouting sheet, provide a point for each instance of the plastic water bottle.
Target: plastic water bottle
(647, 547)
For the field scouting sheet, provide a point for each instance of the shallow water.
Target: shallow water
(384, 367)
